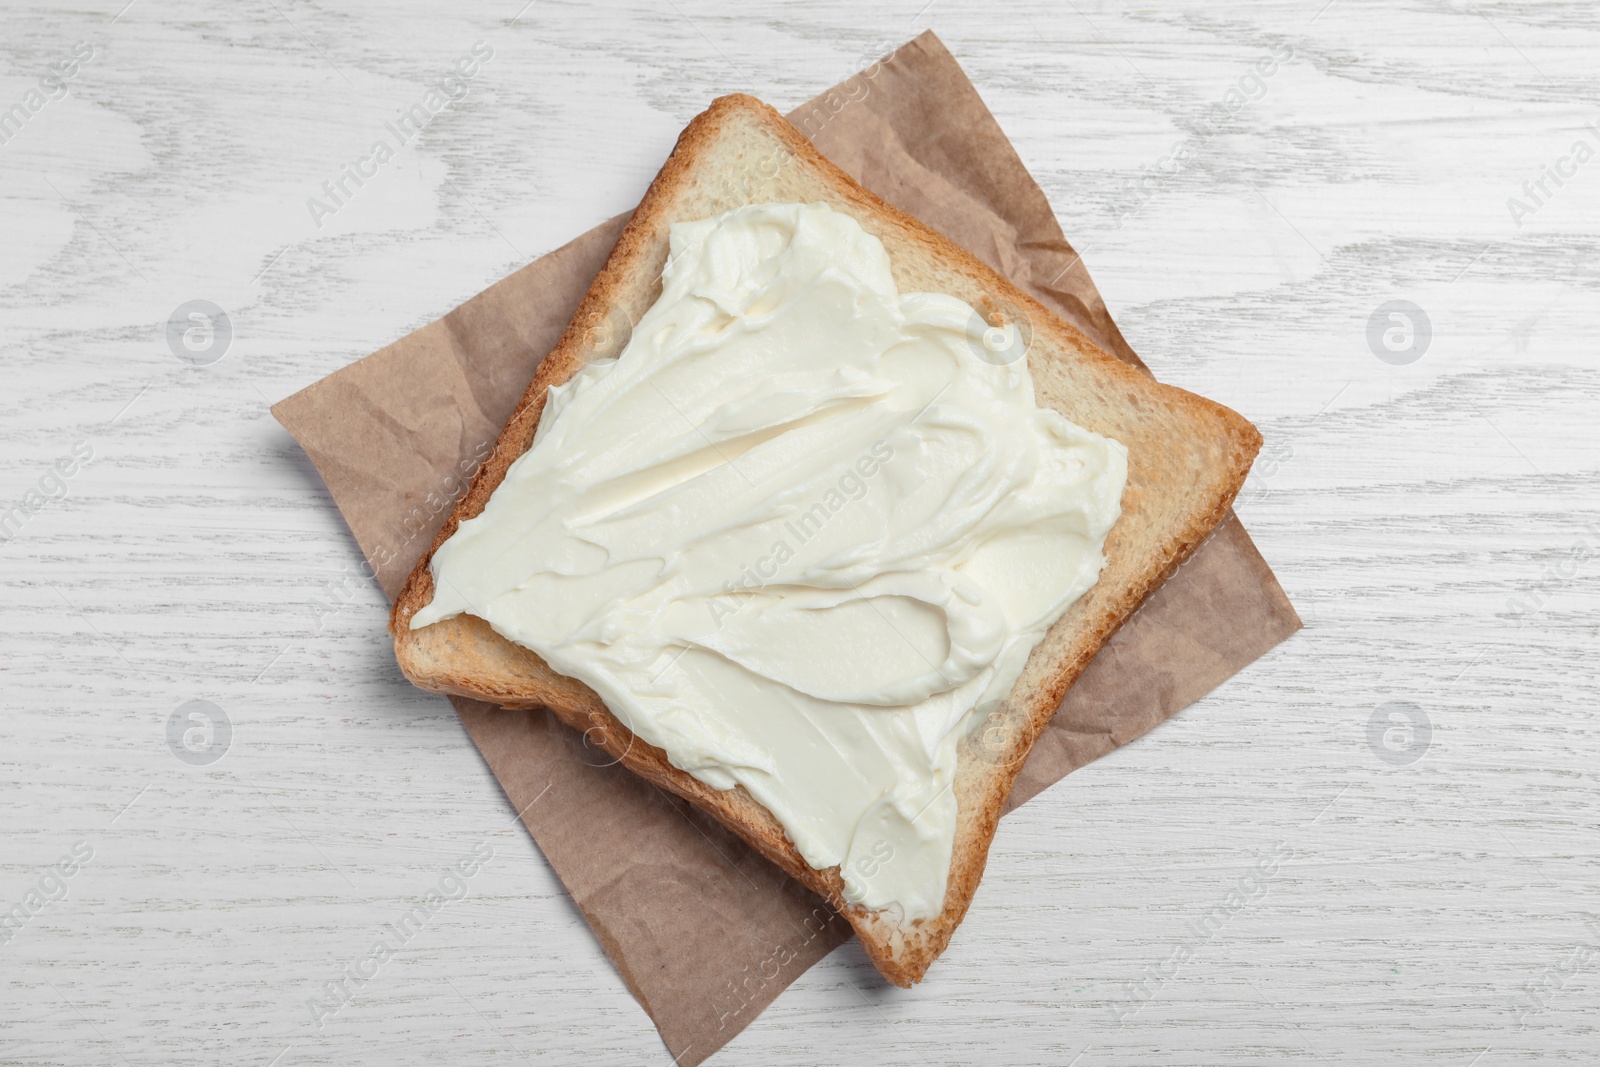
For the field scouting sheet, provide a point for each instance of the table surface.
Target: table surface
(1415, 772)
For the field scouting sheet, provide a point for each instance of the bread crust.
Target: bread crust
(464, 656)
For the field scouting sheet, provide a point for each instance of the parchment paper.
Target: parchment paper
(703, 930)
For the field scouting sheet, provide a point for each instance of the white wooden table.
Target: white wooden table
(1436, 888)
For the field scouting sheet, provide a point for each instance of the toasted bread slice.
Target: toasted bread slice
(1187, 458)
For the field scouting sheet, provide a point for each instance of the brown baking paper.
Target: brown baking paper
(703, 930)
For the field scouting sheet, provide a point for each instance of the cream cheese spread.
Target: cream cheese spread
(801, 535)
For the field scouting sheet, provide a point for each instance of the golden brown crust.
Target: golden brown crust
(1188, 458)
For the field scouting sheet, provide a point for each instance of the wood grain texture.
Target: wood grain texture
(1436, 524)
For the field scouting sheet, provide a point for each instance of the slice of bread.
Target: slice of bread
(1187, 458)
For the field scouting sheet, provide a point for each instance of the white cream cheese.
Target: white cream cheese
(801, 535)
